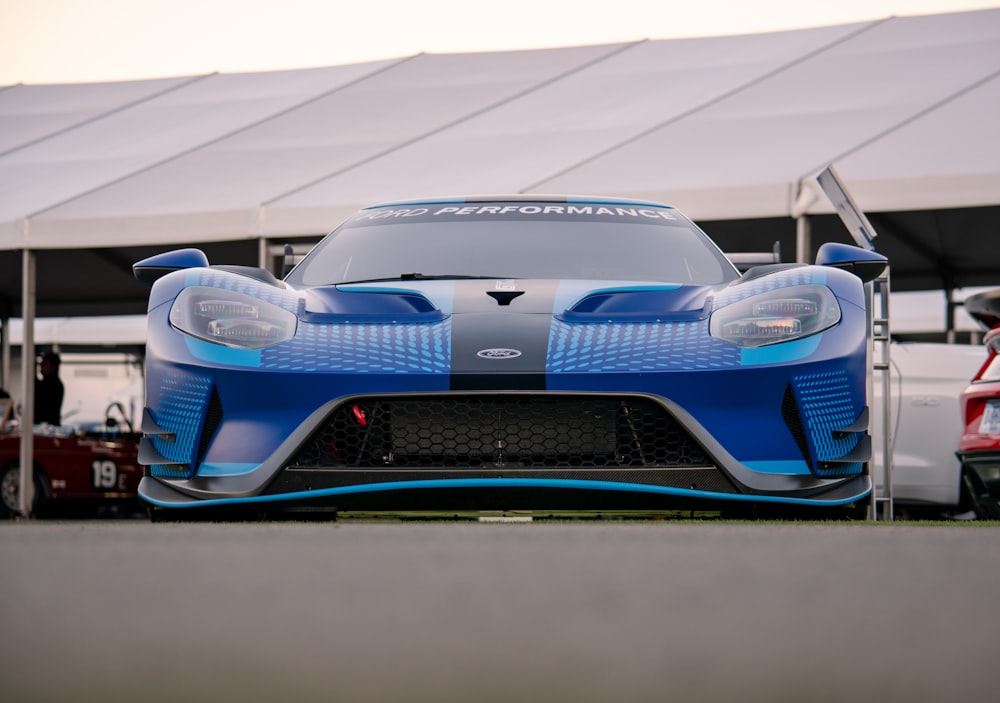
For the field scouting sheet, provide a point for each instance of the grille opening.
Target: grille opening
(213, 418)
(490, 432)
(793, 419)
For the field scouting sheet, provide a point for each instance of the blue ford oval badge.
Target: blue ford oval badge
(498, 353)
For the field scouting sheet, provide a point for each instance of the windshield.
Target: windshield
(662, 247)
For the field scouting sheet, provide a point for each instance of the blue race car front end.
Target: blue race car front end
(499, 392)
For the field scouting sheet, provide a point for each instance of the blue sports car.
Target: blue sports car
(507, 353)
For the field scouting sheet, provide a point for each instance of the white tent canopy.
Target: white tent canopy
(724, 128)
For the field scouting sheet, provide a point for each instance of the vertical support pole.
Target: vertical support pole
(5, 353)
(27, 461)
(949, 316)
(886, 367)
(879, 366)
(263, 255)
(870, 392)
(803, 239)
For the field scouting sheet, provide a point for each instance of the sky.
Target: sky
(83, 41)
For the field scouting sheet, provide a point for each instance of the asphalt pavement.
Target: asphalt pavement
(612, 611)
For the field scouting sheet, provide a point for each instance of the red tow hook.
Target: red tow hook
(360, 416)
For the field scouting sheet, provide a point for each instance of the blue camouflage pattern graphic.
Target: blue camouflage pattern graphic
(636, 346)
(183, 400)
(248, 286)
(801, 276)
(825, 400)
(365, 348)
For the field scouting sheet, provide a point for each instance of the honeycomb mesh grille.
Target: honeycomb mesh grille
(473, 431)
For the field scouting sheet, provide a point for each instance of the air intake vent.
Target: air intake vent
(509, 431)
(213, 418)
(793, 419)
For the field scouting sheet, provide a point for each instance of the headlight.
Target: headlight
(231, 319)
(779, 315)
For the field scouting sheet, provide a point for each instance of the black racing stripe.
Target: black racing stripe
(519, 326)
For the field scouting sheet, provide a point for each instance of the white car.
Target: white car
(927, 380)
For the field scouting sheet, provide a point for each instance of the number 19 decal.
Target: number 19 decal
(103, 474)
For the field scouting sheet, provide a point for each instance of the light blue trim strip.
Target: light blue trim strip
(223, 356)
(795, 467)
(506, 483)
(783, 353)
(226, 468)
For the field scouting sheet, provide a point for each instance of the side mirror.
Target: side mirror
(866, 265)
(149, 270)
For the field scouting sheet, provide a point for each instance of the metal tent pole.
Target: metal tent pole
(803, 238)
(28, 291)
(5, 352)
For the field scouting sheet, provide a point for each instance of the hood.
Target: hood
(500, 332)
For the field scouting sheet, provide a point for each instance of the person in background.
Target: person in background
(6, 409)
(49, 391)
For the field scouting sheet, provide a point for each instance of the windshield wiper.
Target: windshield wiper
(417, 276)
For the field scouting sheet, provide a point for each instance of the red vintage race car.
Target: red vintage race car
(979, 446)
(78, 471)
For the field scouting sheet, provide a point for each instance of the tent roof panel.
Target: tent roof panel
(32, 112)
(928, 161)
(813, 113)
(330, 133)
(152, 131)
(606, 103)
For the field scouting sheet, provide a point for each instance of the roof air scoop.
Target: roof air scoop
(503, 297)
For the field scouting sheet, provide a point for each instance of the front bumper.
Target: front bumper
(497, 451)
